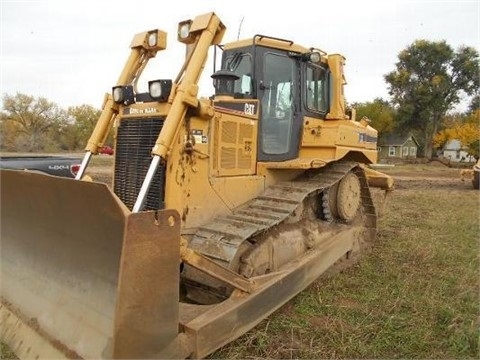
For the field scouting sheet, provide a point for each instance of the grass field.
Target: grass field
(415, 295)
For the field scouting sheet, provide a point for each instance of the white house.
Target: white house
(452, 151)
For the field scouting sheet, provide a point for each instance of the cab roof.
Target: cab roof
(267, 41)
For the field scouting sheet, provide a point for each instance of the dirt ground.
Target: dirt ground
(427, 176)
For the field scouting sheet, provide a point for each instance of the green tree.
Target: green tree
(380, 112)
(82, 122)
(474, 104)
(33, 121)
(428, 81)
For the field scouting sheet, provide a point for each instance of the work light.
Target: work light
(117, 92)
(152, 39)
(123, 94)
(315, 57)
(159, 90)
(183, 33)
(155, 89)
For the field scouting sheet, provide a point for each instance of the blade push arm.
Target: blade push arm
(144, 47)
(205, 30)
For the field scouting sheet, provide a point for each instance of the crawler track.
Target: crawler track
(277, 219)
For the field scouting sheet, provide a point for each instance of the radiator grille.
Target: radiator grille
(135, 139)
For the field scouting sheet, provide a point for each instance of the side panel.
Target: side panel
(235, 190)
(333, 139)
(212, 166)
(187, 185)
(234, 144)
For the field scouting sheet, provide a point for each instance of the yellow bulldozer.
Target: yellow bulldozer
(220, 210)
(476, 175)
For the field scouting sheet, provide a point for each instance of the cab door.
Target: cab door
(280, 122)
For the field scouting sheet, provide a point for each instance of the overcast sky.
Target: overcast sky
(72, 51)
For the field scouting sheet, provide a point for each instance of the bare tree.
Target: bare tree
(32, 119)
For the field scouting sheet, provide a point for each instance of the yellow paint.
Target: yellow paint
(211, 151)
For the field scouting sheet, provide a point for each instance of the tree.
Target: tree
(32, 121)
(465, 129)
(83, 119)
(8, 131)
(474, 104)
(428, 81)
(379, 112)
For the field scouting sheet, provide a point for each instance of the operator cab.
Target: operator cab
(289, 82)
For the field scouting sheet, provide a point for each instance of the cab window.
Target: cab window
(241, 65)
(317, 89)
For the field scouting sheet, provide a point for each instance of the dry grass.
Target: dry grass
(6, 353)
(414, 296)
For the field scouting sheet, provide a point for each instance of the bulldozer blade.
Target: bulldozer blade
(82, 277)
(147, 312)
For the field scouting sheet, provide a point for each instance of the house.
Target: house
(398, 147)
(453, 151)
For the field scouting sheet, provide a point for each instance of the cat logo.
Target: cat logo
(249, 109)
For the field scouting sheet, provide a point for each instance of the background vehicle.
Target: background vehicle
(53, 165)
(472, 175)
(222, 209)
(476, 175)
